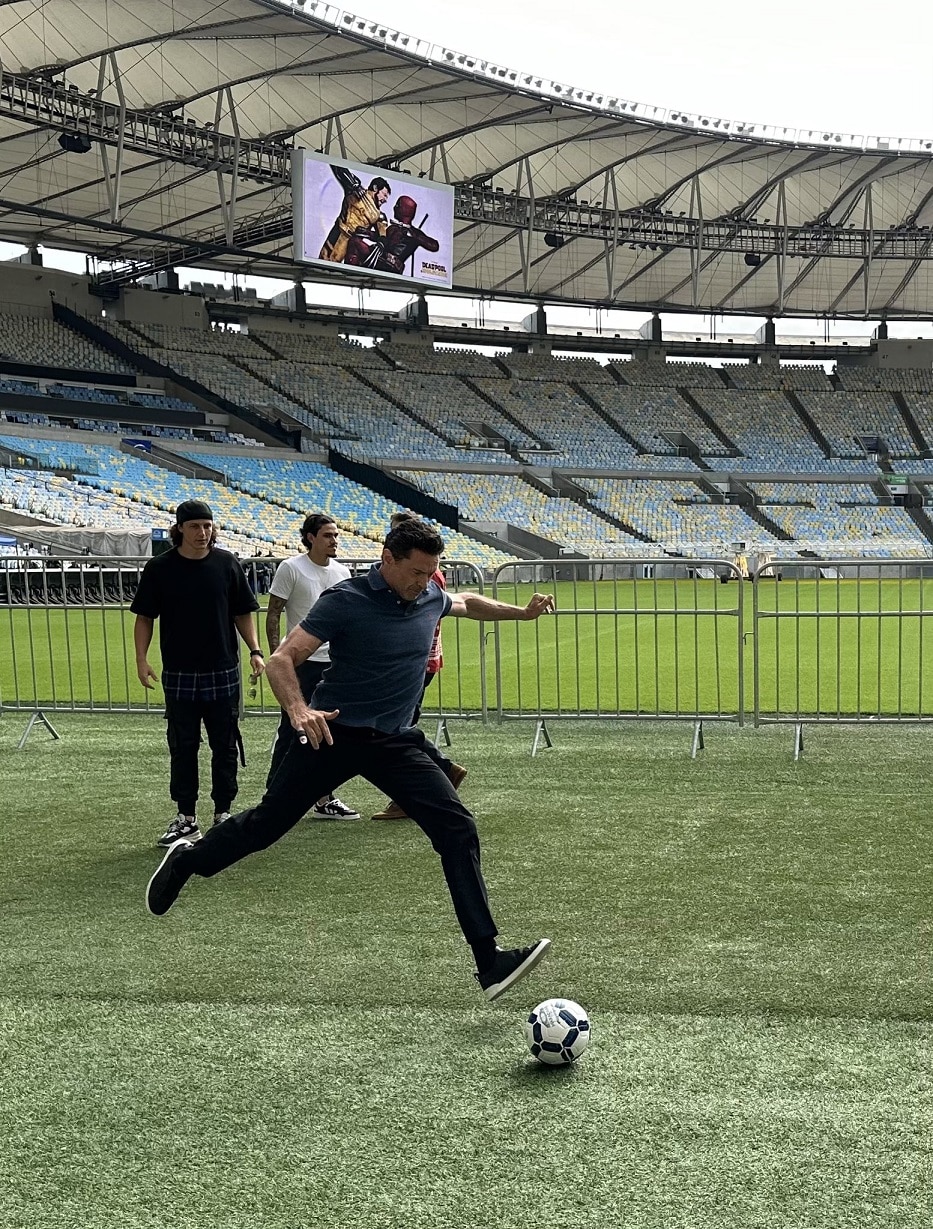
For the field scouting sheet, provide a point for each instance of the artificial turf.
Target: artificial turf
(299, 1043)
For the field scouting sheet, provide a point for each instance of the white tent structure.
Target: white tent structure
(159, 134)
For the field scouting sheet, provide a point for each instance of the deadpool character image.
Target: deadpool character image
(402, 239)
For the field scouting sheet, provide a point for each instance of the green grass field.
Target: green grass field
(299, 1044)
(672, 648)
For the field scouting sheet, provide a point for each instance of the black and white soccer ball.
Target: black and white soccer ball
(557, 1032)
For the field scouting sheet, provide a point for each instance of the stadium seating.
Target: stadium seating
(644, 413)
(841, 520)
(45, 343)
(508, 498)
(890, 379)
(768, 433)
(299, 487)
(843, 416)
(442, 361)
(679, 518)
(453, 410)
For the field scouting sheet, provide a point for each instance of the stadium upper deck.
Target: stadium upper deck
(162, 150)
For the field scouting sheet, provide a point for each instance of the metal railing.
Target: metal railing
(66, 635)
(66, 638)
(652, 638)
(846, 640)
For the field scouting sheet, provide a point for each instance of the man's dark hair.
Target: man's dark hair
(313, 525)
(174, 534)
(413, 535)
(399, 518)
(378, 183)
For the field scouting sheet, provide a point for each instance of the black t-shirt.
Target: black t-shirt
(195, 601)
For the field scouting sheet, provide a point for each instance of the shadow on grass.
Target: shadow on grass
(535, 1076)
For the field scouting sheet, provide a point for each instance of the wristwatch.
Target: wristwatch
(256, 653)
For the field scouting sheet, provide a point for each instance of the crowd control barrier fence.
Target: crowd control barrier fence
(843, 641)
(629, 639)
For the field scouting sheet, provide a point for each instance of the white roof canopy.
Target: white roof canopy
(187, 111)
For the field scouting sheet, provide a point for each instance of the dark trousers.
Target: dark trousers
(400, 765)
(309, 675)
(183, 730)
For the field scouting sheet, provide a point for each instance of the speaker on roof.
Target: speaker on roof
(752, 259)
(75, 142)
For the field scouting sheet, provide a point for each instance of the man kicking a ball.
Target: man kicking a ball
(379, 628)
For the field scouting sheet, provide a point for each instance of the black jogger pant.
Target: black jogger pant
(183, 730)
(397, 764)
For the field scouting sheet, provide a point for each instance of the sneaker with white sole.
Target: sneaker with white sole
(334, 809)
(220, 816)
(182, 826)
(510, 966)
(168, 880)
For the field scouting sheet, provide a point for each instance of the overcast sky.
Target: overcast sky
(850, 67)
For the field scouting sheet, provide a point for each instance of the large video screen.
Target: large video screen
(364, 218)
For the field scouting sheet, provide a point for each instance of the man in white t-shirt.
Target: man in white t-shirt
(297, 585)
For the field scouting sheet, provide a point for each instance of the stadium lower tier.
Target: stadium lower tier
(260, 496)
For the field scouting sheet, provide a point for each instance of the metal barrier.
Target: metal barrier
(66, 639)
(843, 641)
(829, 641)
(655, 637)
(66, 635)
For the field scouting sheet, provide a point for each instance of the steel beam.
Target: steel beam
(49, 104)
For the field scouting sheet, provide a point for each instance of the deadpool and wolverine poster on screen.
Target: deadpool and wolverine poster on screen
(367, 218)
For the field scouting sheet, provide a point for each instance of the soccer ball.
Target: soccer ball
(557, 1032)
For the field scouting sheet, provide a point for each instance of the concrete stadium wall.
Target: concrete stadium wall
(180, 311)
(28, 291)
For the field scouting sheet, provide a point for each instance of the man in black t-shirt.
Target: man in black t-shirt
(201, 597)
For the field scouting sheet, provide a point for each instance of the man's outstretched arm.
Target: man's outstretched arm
(486, 609)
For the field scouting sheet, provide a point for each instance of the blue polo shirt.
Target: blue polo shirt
(379, 645)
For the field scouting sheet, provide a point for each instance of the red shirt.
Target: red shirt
(436, 656)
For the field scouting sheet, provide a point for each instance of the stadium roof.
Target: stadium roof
(563, 194)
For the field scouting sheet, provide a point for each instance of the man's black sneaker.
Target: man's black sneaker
(333, 808)
(510, 967)
(181, 826)
(168, 880)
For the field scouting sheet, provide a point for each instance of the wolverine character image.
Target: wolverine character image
(355, 237)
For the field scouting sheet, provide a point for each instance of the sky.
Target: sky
(850, 67)
(847, 67)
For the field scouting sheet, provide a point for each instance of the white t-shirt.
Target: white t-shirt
(299, 582)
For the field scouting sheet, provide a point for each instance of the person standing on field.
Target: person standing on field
(297, 585)
(200, 595)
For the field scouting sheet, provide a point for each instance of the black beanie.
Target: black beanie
(193, 510)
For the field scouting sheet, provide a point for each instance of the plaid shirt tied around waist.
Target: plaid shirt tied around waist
(201, 684)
